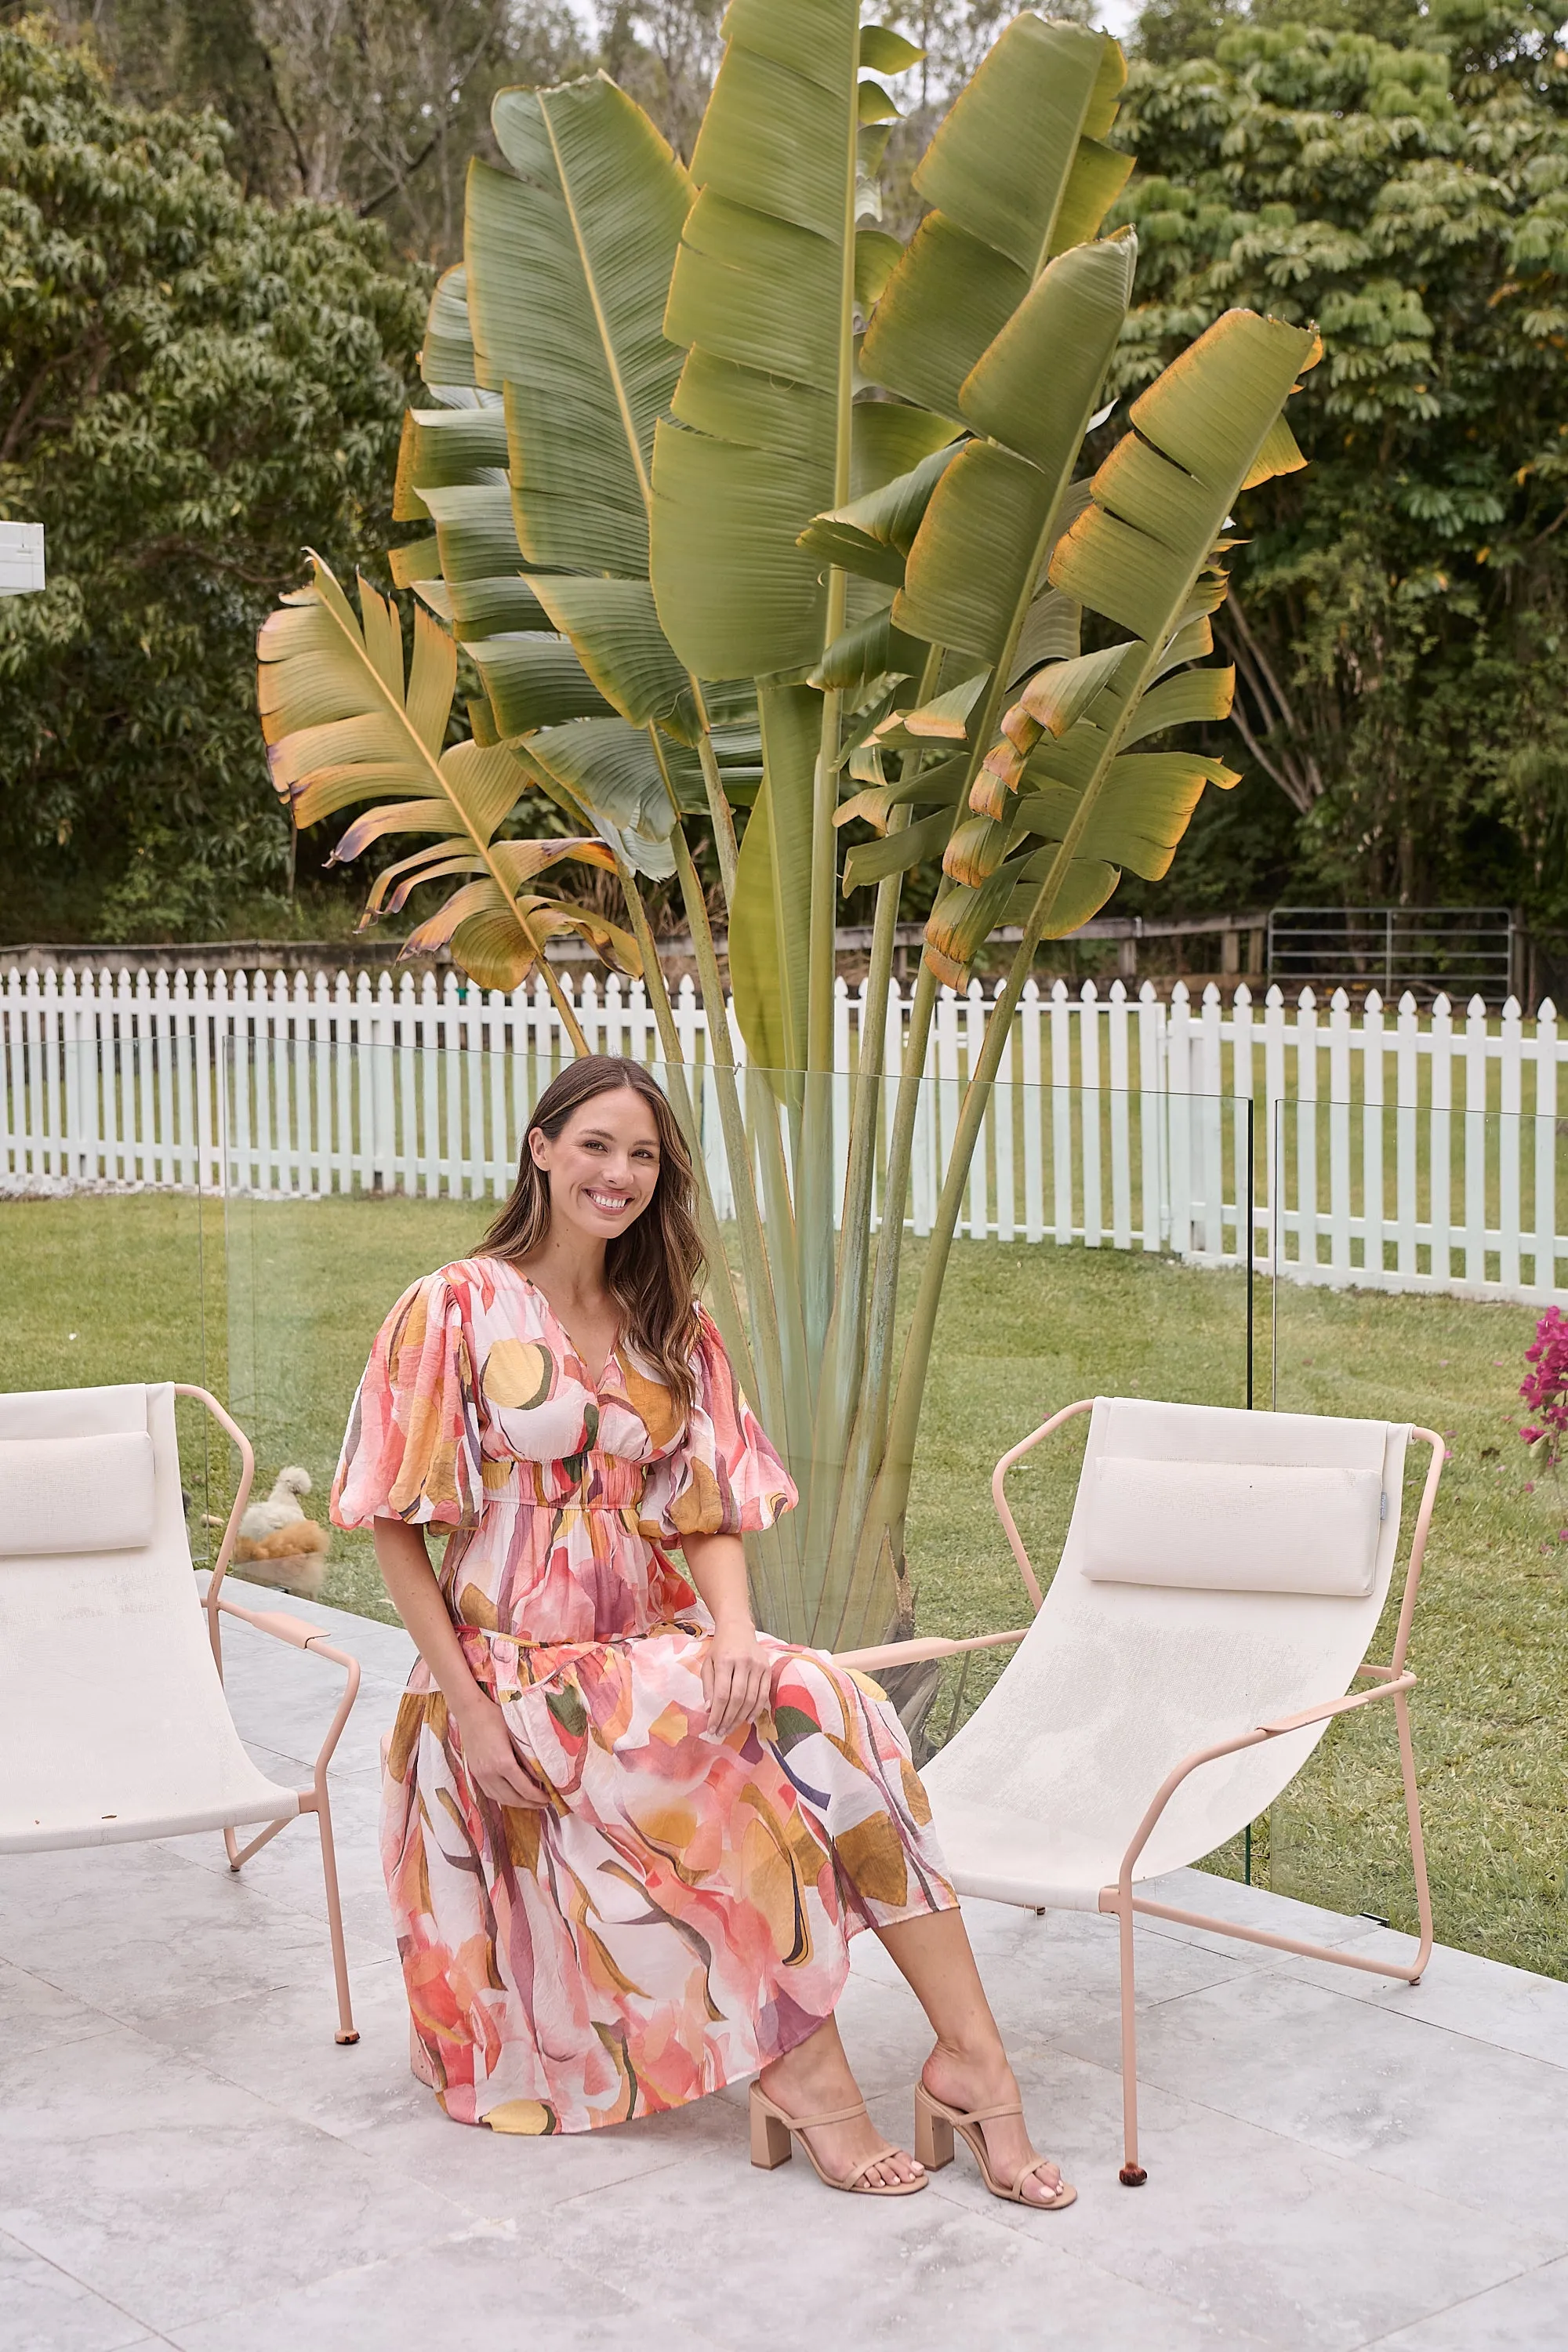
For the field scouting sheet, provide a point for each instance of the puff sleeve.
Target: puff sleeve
(723, 1477)
(411, 1451)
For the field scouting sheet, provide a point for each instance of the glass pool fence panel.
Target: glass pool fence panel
(1460, 1211)
(111, 1241)
(352, 1169)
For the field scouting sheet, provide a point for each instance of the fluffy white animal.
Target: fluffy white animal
(278, 1545)
(281, 1506)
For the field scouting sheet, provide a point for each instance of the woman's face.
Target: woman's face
(603, 1166)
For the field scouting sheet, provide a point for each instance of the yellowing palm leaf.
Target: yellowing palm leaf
(343, 725)
(1142, 553)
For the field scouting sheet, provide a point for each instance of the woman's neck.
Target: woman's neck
(569, 1267)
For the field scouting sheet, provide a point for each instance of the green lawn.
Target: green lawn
(277, 1310)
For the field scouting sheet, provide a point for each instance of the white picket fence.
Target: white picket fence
(1390, 1147)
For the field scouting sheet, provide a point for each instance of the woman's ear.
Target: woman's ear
(539, 1147)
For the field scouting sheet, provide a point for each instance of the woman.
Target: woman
(627, 1837)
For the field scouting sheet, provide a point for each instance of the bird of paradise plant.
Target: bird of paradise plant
(741, 505)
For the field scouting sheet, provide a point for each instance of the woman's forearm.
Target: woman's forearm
(718, 1566)
(416, 1596)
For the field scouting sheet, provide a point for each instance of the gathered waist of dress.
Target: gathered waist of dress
(501, 1662)
(589, 1482)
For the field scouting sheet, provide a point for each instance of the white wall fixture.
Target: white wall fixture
(21, 558)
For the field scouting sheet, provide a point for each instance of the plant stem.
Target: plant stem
(718, 815)
(726, 1304)
(558, 996)
(846, 1563)
(771, 1389)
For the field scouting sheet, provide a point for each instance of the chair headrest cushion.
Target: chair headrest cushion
(75, 1494)
(1228, 1526)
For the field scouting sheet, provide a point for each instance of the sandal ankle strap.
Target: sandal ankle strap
(976, 2115)
(815, 2123)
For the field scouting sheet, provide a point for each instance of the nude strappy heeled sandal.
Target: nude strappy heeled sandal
(935, 2123)
(771, 2129)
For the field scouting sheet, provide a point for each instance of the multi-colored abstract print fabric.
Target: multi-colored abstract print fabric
(676, 1911)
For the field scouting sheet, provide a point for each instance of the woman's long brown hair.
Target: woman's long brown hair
(654, 1267)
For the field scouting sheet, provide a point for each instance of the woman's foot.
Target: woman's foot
(967, 2080)
(814, 2079)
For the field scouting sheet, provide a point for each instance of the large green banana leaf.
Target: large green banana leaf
(1016, 173)
(972, 564)
(1142, 553)
(763, 303)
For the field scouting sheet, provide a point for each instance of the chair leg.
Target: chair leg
(1132, 2175)
(1417, 1843)
(347, 2029)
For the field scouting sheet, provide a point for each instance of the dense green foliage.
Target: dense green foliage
(193, 384)
(1400, 175)
(1398, 620)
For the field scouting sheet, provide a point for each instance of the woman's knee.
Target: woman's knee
(811, 1683)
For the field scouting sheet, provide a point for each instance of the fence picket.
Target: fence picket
(1179, 1121)
(1061, 1114)
(1032, 1109)
(1151, 1139)
(1509, 1207)
(1404, 1136)
(1475, 1125)
(1120, 1150)
(1440, 1142)
(1546, 1249)
(1373, 1219)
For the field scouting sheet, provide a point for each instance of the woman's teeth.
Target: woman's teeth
(611, 1202)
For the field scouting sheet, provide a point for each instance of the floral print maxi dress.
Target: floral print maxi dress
(678, 1913)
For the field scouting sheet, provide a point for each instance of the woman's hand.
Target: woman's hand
(735, 1679)
(494, 1765)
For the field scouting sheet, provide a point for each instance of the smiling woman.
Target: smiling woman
(627, 1836)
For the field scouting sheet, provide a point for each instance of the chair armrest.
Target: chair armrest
(1333, 1707)
(299, 1635)
(911, 1654)
(1233, 1747)
(282, 1628)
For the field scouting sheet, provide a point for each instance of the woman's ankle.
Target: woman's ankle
(813, 2060)
(982, 2064)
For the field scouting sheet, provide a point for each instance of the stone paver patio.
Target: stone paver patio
(186, 2158)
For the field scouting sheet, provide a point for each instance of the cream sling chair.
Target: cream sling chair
(1223, 1574)
(113, 1724)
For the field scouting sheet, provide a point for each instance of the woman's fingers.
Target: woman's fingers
(739, 1694)
(722, 1711)
(521, 1795)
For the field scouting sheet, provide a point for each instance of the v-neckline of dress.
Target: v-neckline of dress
(612, 1362)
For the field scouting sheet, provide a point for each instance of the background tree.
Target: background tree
(1399, 617)
(377, 104)
(192, 384)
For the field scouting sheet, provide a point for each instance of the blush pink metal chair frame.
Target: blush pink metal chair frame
(299, 1635)
(1117, 1897)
